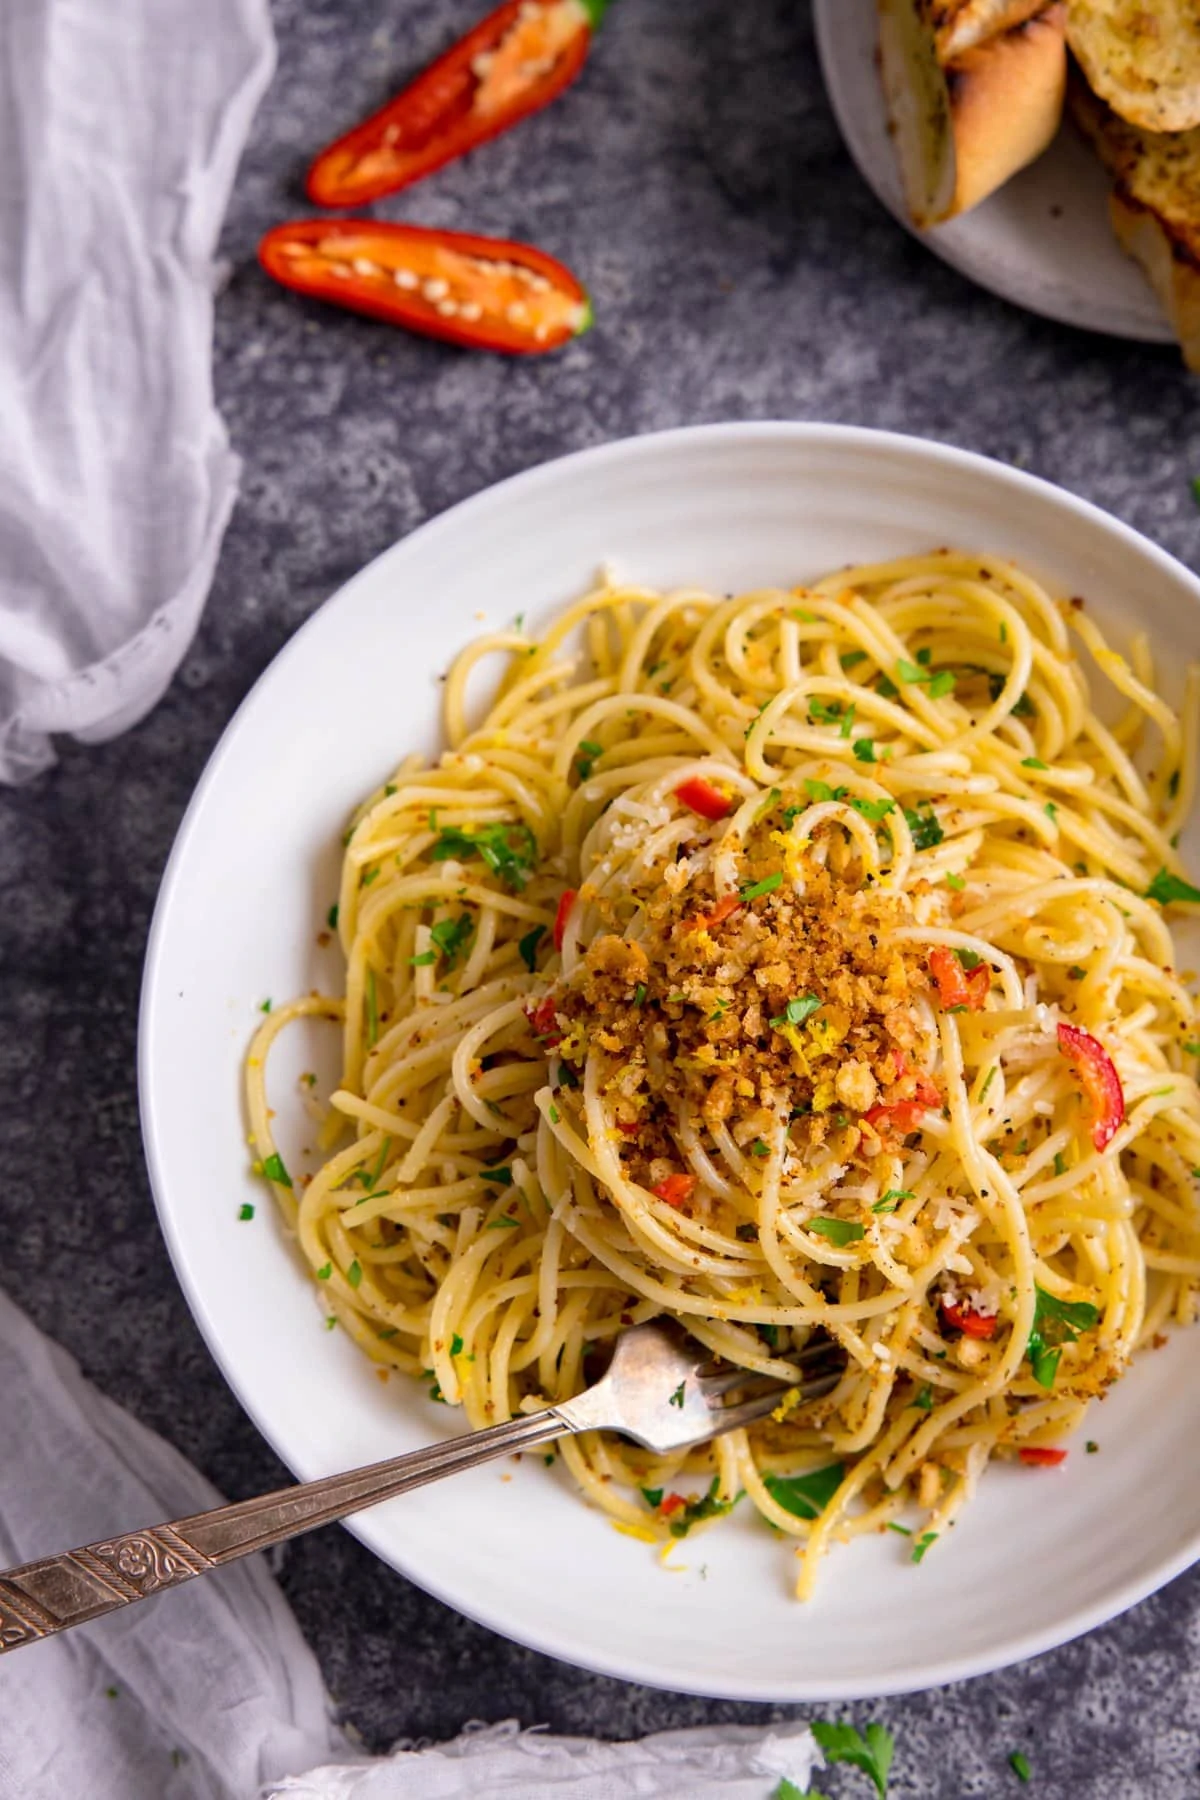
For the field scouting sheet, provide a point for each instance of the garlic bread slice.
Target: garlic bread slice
(974, 91)
(1142, 56)
(1155, 206)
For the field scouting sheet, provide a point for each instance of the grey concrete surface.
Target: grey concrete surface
(695, 180)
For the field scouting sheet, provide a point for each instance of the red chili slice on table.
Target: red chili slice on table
(968, 1321)
(483, 293)
(513, 62)
(1036, 1454)
(1099, 1080)
(703, 798)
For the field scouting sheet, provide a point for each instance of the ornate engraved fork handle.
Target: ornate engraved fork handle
(39, 1598)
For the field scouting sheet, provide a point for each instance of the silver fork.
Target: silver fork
(660, 1389)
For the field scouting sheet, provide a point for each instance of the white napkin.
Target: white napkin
(210, 1692)
(120, 131)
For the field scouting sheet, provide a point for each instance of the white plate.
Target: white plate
(1041, 1555)
(1043, 241)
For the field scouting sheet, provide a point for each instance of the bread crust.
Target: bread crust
(1006, 101)
(964, 124)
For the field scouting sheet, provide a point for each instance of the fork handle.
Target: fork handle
(40, 1598)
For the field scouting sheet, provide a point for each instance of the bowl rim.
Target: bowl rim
(652, 444)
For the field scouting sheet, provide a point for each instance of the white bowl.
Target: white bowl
(1042, 1554)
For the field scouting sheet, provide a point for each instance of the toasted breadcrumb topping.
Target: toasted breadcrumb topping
(788, 1018)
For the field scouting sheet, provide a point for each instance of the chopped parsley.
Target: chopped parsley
(1167, 887)
(1055, 1323)
(1019, 1764)
(639, 994)
(1032, 762)
(887, 689)
(806, 1496)
(755, 889)
(919, 674)
(924, 825)
(354, 1273)
(871, 810)
(924, 1543)
(369, 875)
(585, 757)
(452, 935)
(1091, 1446)
(1060, 1163)
(1173, 784)
(797, 1010)
(510, 851)
(924, 1399)
(246, 1210)
(528, 945)
(331, 917)
(839, 1231)
(758, 1148)
(830, 712)
(708, 1506)
(266, 1006)
(821, 790)
(456, 1345)
(892, 1199)
(274, 1170)
(1051, 812)
(554, 1114)
(501, 1177)
(677, 1397)
(871, 1751)
(864, 750)
(768, 1333)
(652, 1497)
(325, 1273)
(850, 659)
(991, 1076)
(970, 959)
(1075, 973)
(902, 1529)
(424, 959)
(503, 1223)
(956, 882)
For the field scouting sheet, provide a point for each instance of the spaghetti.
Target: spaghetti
(780, 963)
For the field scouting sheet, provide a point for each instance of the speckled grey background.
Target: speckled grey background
(695, 180)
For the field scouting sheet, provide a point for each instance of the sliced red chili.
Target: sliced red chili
(1099, 1080)
(957, 987)
(517, 59)
(675, 1189)
(968, 1321)
(1047, 1458)
(729, 903)
(568, 900)
(671, 1503)
(544, 1020)
(902, 1115)
(703, 798)
(630, 1130)
(483, 293)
